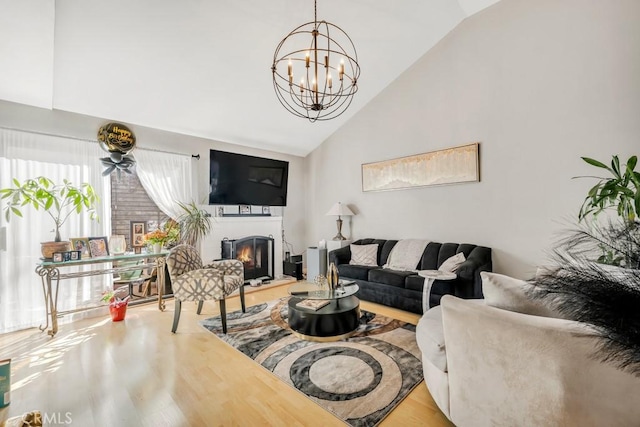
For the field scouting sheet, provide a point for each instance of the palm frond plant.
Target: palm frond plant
(607, 297)
(621, 192)
(195, 223)
(172, 228)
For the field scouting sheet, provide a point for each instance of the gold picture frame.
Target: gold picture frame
(81, 244)
(449, 166)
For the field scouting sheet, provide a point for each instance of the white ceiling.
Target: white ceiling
(202, 67)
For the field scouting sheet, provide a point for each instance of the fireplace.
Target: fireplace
(255, 252)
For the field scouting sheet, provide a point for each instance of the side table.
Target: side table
(51, 276)
(431, 276)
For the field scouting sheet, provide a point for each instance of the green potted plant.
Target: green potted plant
(618, 240)
(117, 304)
(195, 223)
(59, 201)
(621, 192)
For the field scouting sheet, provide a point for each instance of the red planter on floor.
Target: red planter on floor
(118, 312)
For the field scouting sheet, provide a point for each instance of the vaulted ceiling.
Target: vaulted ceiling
(202, 67)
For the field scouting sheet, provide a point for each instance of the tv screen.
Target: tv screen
(238, 179)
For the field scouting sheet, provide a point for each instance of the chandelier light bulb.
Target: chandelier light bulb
(314, 50)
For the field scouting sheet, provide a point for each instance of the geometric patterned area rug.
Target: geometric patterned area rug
(359, 380)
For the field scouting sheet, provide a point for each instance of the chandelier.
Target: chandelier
(315, 70)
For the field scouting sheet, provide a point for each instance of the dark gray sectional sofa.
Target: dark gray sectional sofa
(403, 289)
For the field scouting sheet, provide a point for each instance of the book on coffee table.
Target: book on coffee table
(313, 304)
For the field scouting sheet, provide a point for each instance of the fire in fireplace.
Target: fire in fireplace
(255, 252)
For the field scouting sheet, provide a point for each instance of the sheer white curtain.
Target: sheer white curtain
(28, 155)
(167, 179)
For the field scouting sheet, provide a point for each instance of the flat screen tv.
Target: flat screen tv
(238, 179)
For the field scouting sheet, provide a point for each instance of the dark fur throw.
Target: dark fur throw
(583, 288)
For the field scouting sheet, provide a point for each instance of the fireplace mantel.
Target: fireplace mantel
(239, 227)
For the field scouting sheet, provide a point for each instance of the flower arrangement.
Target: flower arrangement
(156, 236)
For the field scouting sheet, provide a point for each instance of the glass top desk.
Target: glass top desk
(51, 275)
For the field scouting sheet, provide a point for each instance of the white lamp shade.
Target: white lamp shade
(340, 210)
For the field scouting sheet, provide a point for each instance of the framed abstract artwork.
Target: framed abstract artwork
(448, 166)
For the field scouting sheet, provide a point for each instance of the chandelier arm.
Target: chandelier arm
(338, 112)
(333, 96)
(288, 107)
(299, 98)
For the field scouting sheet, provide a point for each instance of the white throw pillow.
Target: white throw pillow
(364, 255)
(451, 264)
(507, 293)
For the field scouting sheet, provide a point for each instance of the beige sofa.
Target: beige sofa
(488, 366)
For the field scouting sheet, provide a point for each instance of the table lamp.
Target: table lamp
(339, 210)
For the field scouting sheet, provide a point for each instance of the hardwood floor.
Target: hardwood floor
(137, 373)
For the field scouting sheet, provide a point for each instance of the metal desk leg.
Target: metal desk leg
(160, 262)
(50, 299)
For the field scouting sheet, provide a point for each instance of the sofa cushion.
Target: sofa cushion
(394, 278)
(386, 250)
(359, 272)
(429, 259)
(364, 255)
(507, 293)
(452, 263)
(414, 282)
(447, 250)
(430, 337)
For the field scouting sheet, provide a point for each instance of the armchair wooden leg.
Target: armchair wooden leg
(176, 315)
(199, 307)
(223, 315)
(244, 310)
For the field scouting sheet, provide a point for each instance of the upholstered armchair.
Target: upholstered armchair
(191, 281)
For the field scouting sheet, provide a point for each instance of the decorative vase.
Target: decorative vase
(332, 277)
(118, 312)
(117, 244)
(157, 248)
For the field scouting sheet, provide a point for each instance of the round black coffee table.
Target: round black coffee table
(337, 320)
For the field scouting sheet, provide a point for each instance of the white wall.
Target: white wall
(538, 84)
(62, 123)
